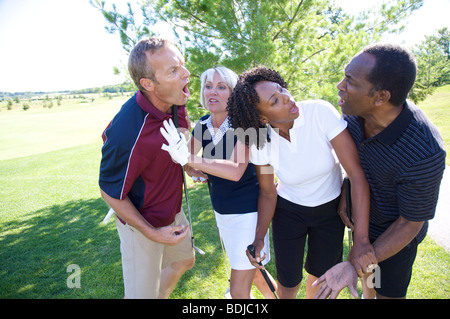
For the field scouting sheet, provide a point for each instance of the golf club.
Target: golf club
(251, 249)
(108, 216)
(201, 252)
(177, 124)
(348, 200)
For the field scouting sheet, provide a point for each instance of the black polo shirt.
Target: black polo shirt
(228, 197)
(404, 165)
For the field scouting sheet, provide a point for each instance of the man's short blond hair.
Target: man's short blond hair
(138, 63)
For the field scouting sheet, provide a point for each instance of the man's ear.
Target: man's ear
(382, 97)
(147, 84)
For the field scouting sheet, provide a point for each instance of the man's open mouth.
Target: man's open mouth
(186, 90)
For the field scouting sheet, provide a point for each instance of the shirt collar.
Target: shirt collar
(298, 122)
(394, 130)
(148, 107)
(216, 136)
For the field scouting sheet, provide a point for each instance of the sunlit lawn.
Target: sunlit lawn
(437, 108)
(51, 215)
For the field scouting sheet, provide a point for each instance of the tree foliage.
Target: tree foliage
(433, 61)
(308, 41)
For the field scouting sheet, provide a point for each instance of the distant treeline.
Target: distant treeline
(118, 88)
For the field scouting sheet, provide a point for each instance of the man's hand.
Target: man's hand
(177, 147)
(171, 235)
(336, 279)
(362, 256)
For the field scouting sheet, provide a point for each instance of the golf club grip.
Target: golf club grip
(175, 116)
(177, 124)
(209, 188)
(348, 197)
(251, 249)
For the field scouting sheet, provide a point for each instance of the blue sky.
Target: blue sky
(52, 45)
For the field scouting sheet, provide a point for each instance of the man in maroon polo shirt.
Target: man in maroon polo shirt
(140, 181)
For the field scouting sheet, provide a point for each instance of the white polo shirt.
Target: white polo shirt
(308, 171)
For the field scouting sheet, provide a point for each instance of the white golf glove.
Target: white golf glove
(177, 147)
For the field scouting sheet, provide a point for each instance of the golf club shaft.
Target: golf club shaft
(187, 205)
(251, 249)
(201, 252)
(177, 124)
(348, 201)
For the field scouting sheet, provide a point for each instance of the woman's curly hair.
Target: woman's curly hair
(242, 111)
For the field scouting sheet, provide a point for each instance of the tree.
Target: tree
(443, 42)
(308, 41)
(433, 61)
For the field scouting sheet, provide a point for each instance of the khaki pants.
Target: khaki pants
(143, 259)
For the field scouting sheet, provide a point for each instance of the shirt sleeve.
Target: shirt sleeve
(259, 156)
(418, 188)
(331, 122)
(113, 170)
(120, 165)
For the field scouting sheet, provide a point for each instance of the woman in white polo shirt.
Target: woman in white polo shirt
(304, 144)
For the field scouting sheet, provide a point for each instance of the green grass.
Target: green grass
(51, 217)
(437, 108)
(39, 130)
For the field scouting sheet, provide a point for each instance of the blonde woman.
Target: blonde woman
(234, 191)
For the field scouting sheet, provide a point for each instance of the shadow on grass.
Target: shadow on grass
(208, 278)
(37, 250)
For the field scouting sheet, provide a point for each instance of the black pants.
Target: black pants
(292, 225)
(395, 272)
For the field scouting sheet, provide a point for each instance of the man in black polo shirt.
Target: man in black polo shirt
(403, 157)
